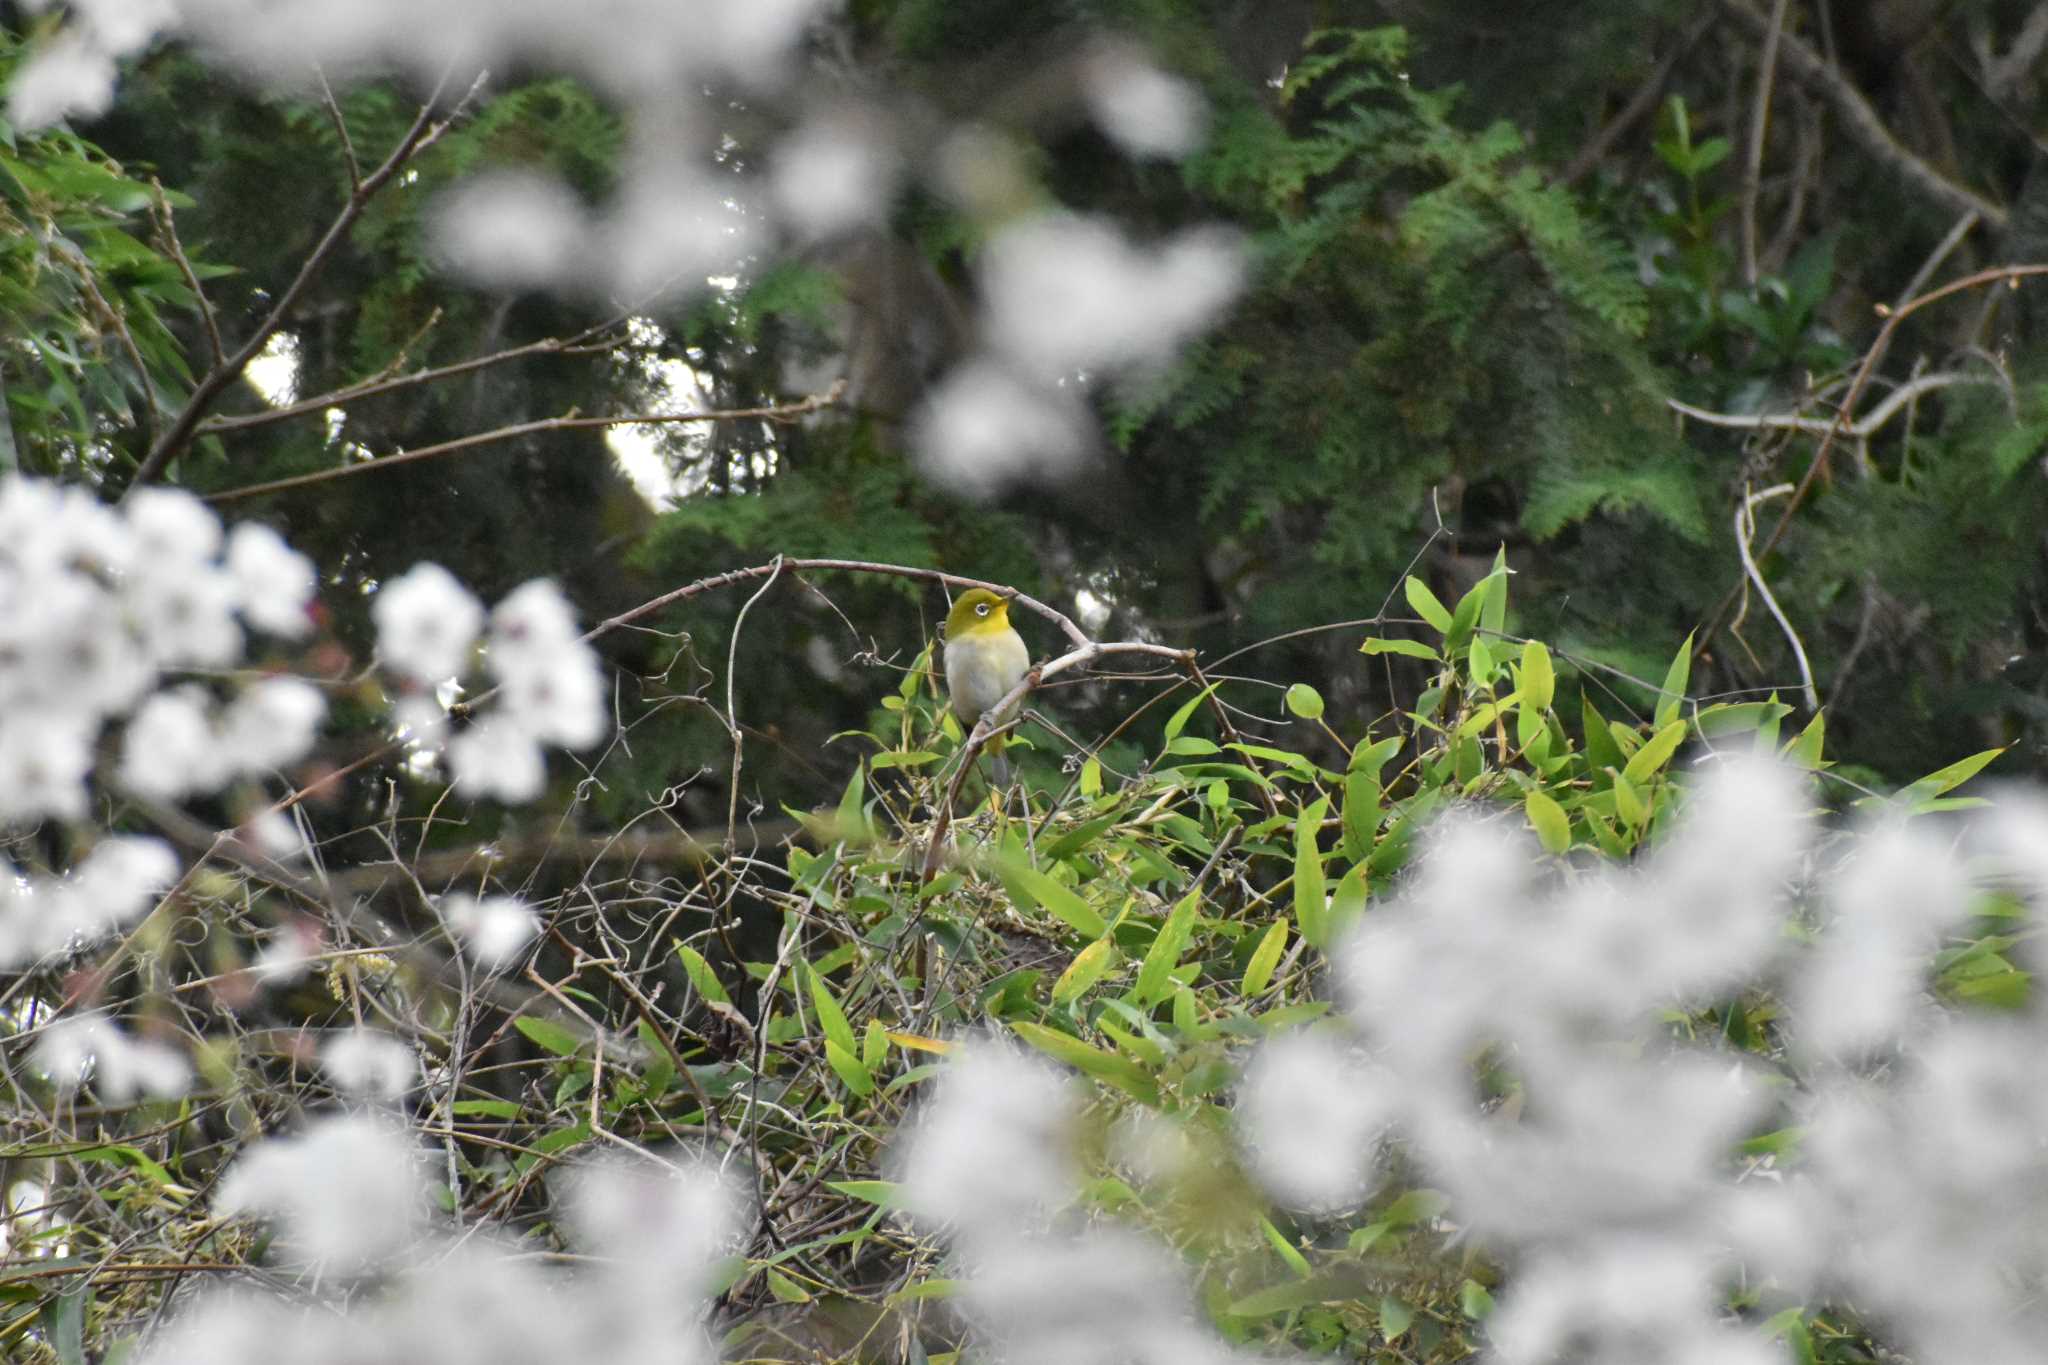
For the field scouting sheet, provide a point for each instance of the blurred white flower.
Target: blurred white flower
(420, 717)
(556, 699)
(275, 835)
(170, 526)
(1142, 109)
(668, 232)
(273, 582)
(532, 620)
(662, 1224)
(93, 1048)
(364, 1061)
(68, 75)
(67, 647)
(992, 1149)
(427, 623)
(514, 230)
(833, 174)
(347, 1190)
(272, 723)
(185, 610)
(495, 758)
(1064, 293)
(1313, 1114)
(983, 430)
(169, 749)
(44, 758)
(126, 26)
(493, 931)
(122, 878)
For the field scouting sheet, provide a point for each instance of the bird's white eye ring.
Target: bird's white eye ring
(981, 608)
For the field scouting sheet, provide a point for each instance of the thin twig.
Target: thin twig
(1745, 531)
(1759, 126)
(1639, 104)
(348, 146)
(160, 208)
(1868, 425)
(373, 388)
(423, 133)
(780, 412)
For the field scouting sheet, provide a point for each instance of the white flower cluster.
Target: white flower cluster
(350, 1198)
(550, 689)
(91, 1047)
(96, 604)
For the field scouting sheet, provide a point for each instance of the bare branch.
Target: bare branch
(422, 134)
(1759, 126)
(781, 412)
(1745, 531)
(1863, 123)
(160, 210)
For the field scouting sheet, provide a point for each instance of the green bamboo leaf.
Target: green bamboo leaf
(548, 1034)
(1414, 649)
(1651, 758)
(1347, 901)
(1084, 971)
(1289, 1252)
(1258, 973)
(881, 1193)
(848, 1068)
(1178, 721)
(1305, 701)
(1628, 803)
(784, 1288)
(1671, 697)
(1553, 827)
(831, 1018)
(1805, 750)
(1601, 750)
(1539, 677)
(1955, 774)
(1396, 1318)
(1041, 890)
(852, 820)
(1427, 606)
(1493, 611)
(874, 1046)
(700, 974)
(1090, 1060)
(1311, 907)
(1165, 952)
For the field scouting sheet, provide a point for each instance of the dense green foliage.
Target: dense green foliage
(1489, 247)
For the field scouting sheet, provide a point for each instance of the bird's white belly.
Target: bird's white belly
(980, 671)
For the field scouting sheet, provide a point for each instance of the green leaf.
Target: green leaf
(548, 1034)
(831, 1018)
(1395, 1318)
(1178, 721)
(1258, 973)
(1805, 750)
(1671, 697)
(848, 1068)
(1601, 750)
(1165, 952)
(1427, 606)
(1651, 758)
(1955, 774)
(1091, 777)
(851, 820)
(1628, 803)
(1289, 1252)
(1473, 1299)
(874, 1046)
(1539, 678)
(1361, 814)
(1553, 827)
(1037, 888)
(1347, 901)
(1090, 1060)
(784, 1288)
(494, 1109)
(1414, 649)
(700, 974)
(1084, 971)
(1311, 906)
(1493, 611)
(1415, 1206)
(1305, 701)
(1291, 1295)
(881, 1193)
(1369, 759)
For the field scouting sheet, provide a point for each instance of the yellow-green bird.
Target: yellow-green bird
(985, 658)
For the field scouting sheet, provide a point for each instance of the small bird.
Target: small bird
(985, 658)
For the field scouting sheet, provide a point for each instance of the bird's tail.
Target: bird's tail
(998, 762)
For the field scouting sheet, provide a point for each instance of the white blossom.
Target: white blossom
(93, 1048)
(170, 748)
(427, 623)
(273, 582)
(272, 723)
(44, 759)
(497, 758)
(363, 1061)
(493, 930)
(348, 1191)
